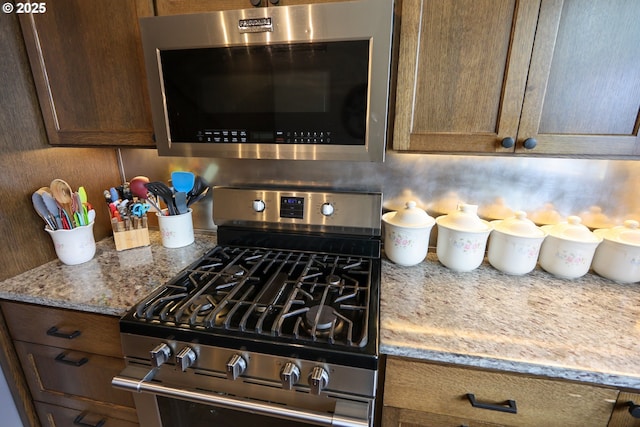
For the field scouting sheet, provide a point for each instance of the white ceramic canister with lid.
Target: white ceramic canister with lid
(568, 249)
(406, 234)
(462, 238)
(514, 244)
(618, 257)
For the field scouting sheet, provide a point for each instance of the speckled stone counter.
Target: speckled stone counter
(586, 329)
(111, 283)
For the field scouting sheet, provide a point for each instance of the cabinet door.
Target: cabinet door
(396, 417)
(495, 397)
(462, 73)
(86, 60)
(177, 7)
(52, 416)
(583, 93)
(621, 416)
(55, 375)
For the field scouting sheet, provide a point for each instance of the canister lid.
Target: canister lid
(627, 234)
(411, 217)
(465, 218)
(572, 230)
(518, 225)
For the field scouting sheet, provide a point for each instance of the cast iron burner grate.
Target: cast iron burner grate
(304, 296)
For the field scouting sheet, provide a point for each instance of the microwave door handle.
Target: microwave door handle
(343, 417)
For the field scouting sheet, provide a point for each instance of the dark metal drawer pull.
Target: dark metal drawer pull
(62, 359)
(79, 421)
(508, 406)
(53, 332)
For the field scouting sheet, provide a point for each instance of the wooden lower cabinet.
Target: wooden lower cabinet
(56, 416)
(621, 417)
(429, 395)
(68, 359)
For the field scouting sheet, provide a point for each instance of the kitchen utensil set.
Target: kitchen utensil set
(128, 211)
(188, 188)
(61, 208)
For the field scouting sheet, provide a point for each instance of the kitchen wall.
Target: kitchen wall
(571, 186)
(28, 162)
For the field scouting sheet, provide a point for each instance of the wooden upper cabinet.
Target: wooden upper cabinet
(583, 94)
(86, 60)
(175, 7)
(484, 76)
(462, 73)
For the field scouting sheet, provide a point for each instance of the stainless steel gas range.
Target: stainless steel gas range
(275, 326)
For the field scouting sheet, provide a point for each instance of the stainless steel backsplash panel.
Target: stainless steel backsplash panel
(571, 185)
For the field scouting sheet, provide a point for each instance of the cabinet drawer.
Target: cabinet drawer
(94, 333)
(53, 416)
(443, 390)
(54, 374)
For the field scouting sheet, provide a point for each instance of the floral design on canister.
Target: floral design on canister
(467, 245)
(571, 258)
(528, 251)
(401, 240)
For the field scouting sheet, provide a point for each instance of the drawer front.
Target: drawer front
(394, 417)
(55, 416)
(444, 390)
(74, 330)
(54, 374)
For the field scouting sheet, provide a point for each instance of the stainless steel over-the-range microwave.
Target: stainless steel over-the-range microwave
(307, 82)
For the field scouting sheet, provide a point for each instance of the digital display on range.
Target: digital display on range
(292, 207)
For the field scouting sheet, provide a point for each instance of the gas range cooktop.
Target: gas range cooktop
(309, 294)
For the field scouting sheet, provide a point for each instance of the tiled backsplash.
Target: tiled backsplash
(572, 186)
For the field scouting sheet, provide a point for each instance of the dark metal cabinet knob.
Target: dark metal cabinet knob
(508, 142)
(256, 3)
(274, 2)
(530, 143)
(634, 409)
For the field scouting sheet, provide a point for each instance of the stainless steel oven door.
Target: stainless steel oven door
(161, 405)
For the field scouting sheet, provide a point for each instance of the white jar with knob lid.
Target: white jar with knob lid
(618, 256)
(568, 249)
(406, 234)
(514, 244)
(462, 238)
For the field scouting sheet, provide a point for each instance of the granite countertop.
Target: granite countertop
(586, 329)
(111, 283)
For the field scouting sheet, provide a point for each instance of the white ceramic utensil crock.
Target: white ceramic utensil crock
(618, 256)
(568, 249)
(514, 244)
(462, 238)
(406, 234)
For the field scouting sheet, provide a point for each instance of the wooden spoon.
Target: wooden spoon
(61, 191)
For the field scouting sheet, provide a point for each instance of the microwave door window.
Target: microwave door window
(271, 94)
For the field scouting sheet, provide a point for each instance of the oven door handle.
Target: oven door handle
(347, 413)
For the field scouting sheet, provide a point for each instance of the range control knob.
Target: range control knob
(258, 205)
(318, 380)
(160, 355)
(185, 358)
(327, 209)
(289, 376)
(236, 367)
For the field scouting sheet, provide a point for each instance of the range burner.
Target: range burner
(303, 296)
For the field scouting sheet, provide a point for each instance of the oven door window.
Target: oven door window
(181, 413)
(310, 93)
